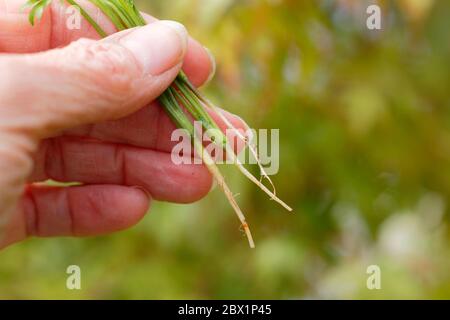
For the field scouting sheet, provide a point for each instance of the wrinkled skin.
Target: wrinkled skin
(81, 110)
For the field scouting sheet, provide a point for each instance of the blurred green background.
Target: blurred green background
(364, 120)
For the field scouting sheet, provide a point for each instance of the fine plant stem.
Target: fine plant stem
(91, 21)
(230, 152)
(177, 115)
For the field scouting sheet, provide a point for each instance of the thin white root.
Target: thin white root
(220, 179)
(221, 182)
(252, 148)
(255, 181)
(235, 160)
(272, 194)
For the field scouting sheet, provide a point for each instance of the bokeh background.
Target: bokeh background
(364, 119)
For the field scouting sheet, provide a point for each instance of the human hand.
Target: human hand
(84, 112)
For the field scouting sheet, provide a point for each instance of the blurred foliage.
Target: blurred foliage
(364, 120)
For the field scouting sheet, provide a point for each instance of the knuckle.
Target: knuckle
(107, 66)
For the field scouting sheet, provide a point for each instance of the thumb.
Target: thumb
(89, 81)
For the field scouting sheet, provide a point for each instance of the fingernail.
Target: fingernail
(246, 126)
(158, 47)
(143, 190)
(178, 27)
(237, 120)
(213, 65)
(249, 134)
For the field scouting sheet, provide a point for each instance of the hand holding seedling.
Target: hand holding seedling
(83, 112)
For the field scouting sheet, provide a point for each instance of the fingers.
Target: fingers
(149, 127)
(111, 157)
(90, 81)
(94, 162)
(18, 36)
(199, 64)
(117, 156)
(75, 211)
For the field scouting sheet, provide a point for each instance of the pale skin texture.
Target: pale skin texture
(84, 112)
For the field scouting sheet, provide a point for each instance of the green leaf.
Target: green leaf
(37, 9)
